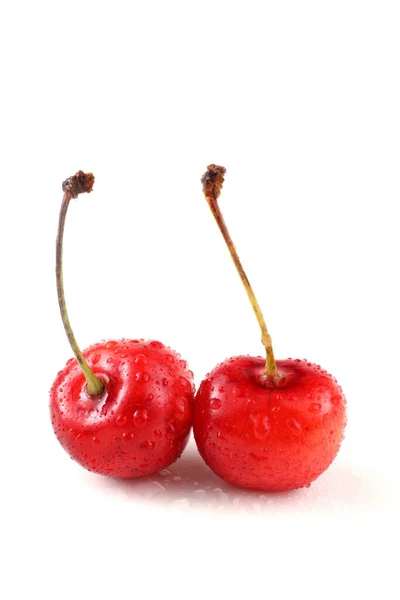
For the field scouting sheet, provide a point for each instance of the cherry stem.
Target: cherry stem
(212, 182)
(73, 186)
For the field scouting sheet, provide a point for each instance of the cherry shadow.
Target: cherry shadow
(190, 484)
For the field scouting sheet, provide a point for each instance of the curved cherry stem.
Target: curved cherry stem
(73, 186)
(212, 182)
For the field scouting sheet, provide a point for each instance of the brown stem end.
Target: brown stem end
(79, 183)
(213, 180)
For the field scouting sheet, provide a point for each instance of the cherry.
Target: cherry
(265, 424)
(122, 408)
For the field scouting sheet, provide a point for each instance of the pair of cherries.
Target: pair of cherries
(125, 408)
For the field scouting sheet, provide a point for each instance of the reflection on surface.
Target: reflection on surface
(189, 483)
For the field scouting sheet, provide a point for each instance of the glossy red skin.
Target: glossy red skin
(271, 439)
(141, 424)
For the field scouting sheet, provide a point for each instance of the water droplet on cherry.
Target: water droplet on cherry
(261, 426)
(294, 425)
(141, 359)
(170, 431)
(147, 445)
(121, 420)
(140, 417)
(142, 377)
(181, 405)
(156, 345)
(215, 403)
(185, 384)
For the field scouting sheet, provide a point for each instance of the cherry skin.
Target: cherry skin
(140, 424)
(269, 437)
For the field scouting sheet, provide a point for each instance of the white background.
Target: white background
(301, 102)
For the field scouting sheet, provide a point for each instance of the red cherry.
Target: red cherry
(272, 438)
(140, 424)
(123, 408)
(265, 424)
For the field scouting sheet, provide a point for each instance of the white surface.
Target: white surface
(300, 101)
